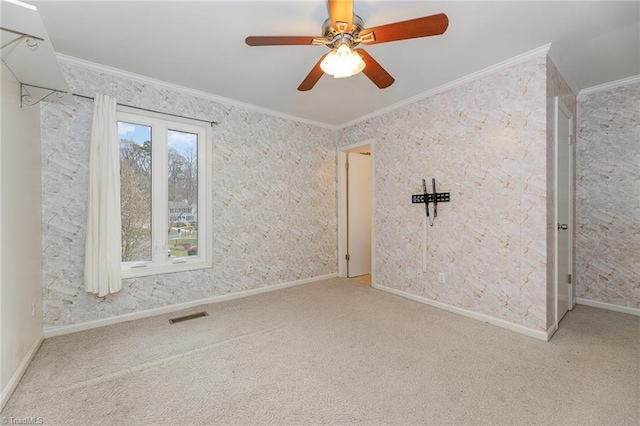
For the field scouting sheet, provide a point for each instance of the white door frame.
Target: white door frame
(342, 205)
(559, 106)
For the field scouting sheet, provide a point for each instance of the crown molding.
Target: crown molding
(556, 58)
(610, 85)
(540, 51)
(186, 90)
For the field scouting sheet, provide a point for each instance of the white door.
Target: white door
(358, 214)
(563, 209)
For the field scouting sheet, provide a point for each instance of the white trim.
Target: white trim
(563, 70)
(608, 306)
(21, 4)
(15, 379)
(342, 213)
(556, 105)
(540, 335)
(186, 90)
(543, 50)
(551, 331)
(611, 85)
(59, 331)
(560, 107)
(373, 212)
(342, 216)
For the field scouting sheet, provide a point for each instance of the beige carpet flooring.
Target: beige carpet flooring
(336, 352)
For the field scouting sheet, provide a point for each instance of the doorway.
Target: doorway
(355, 218)
(564, 210)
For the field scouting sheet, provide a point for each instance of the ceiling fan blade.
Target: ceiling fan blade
(278, 40)
(374, 71)
(413, 28)
(341, 11)
(312, 78)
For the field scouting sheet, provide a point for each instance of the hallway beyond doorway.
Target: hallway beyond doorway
(364, 279)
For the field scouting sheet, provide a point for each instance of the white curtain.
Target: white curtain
(102, 273)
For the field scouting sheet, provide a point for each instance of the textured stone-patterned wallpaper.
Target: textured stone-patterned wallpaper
(274, 202)
(608, 196)
(556, 86)
(485, 143)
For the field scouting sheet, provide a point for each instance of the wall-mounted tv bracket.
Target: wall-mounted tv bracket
(426, 198)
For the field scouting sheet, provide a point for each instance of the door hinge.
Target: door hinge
(346, 165)
(348, 257)
(569, 279)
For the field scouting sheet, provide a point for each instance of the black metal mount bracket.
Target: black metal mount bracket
(440, 197)
(426, 198)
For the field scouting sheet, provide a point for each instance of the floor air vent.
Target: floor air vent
(188, 317)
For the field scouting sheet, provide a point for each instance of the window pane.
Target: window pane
(135, 191)
(182, 175)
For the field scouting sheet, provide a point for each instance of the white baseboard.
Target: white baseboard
(59, 331)
(551, 331)
(15, 379)
(609, 306)
(541, 335)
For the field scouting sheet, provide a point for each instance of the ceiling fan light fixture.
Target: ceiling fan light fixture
(342, 62)
(342, 31)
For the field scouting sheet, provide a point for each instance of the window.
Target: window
(164, 175)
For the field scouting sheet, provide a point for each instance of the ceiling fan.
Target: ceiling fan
(343, 31)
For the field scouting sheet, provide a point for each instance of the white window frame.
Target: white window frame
(160, 263)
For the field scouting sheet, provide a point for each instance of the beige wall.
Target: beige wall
(608, 196)
(274, 191)
(273, 197)
(20, 232)
(485, 143)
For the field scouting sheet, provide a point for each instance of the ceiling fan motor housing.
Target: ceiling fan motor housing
(338, 36)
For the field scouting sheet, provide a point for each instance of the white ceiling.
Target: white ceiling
(200, 45)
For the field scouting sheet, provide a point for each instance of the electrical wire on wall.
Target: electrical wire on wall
(424, 243)
(425, 227)
(427, 198)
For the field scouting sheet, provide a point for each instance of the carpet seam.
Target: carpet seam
(149, 365)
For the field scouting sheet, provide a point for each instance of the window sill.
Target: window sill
(128, 272)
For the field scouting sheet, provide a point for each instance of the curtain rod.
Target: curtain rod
(157, 112)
